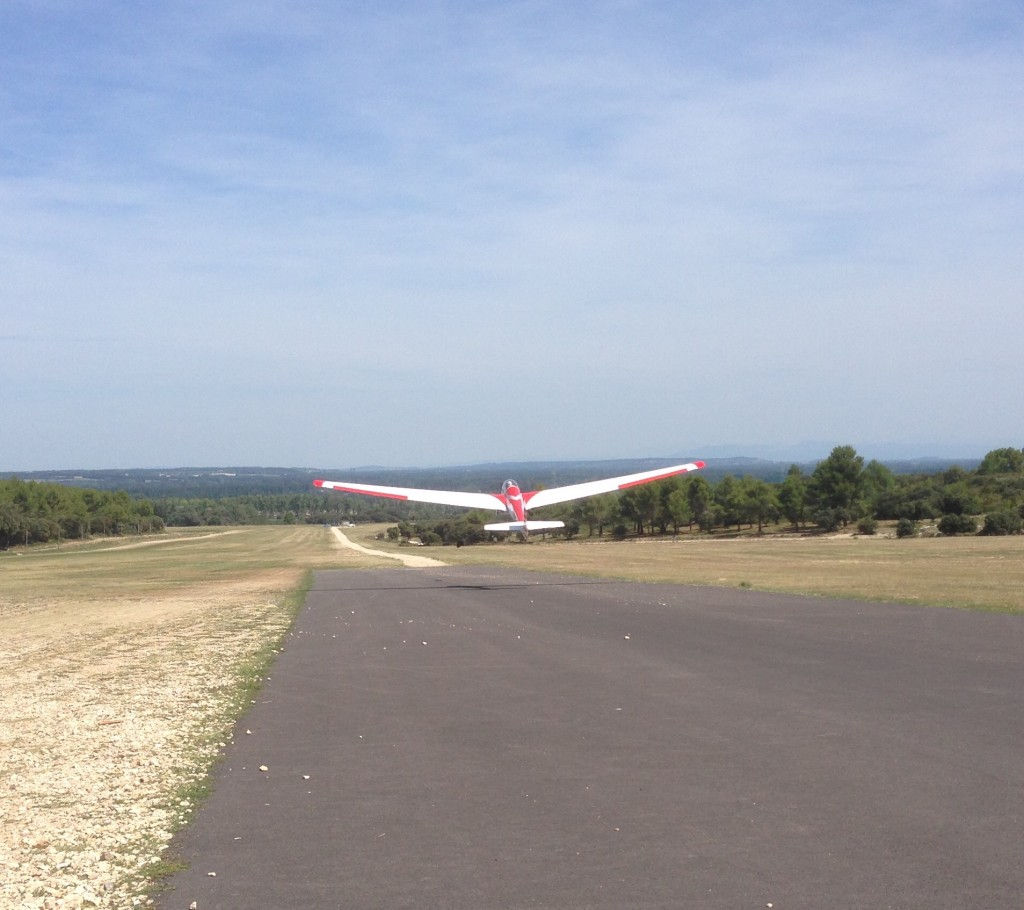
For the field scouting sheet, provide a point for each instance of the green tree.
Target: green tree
(663, 513)
(698, 494)
(793, 496)
(729, 501)
(913, 498)
(1002, 461)
(760, 501)
(837, 484)
(640, 505)
(679, 509)
(957, 499)
(11, 524)
(879, 484)
(75, 523)
(583, 512)
(605, 511)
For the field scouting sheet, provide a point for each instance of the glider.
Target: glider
(511, 499)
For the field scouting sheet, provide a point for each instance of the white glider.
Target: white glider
(511, 499)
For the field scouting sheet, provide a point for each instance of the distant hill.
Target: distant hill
(219, 482)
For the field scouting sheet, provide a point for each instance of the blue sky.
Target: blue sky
(331, 234)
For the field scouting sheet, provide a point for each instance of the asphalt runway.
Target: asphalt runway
(486, 738)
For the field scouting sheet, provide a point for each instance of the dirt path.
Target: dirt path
(177, 539)
(413, 562)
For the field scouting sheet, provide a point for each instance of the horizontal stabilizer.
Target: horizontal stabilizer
(521, 526)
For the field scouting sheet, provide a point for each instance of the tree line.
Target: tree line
(41, 512)
(841, 490)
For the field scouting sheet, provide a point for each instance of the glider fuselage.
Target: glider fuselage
(515, 502)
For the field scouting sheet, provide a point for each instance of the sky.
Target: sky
(441, 233)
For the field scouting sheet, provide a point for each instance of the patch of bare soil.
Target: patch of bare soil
(108, 714)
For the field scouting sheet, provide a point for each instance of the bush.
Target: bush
(906, 527)
(957, 524)
(829, 519)
(998, 523)
(867, 525)
(958, 500)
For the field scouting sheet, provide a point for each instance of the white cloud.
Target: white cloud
(585, 203)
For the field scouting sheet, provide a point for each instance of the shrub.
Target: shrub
(957, 524)
(906, 527)
(829, 519)
(998, 523)
(867, 525)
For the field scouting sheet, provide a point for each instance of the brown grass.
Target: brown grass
(974, 572)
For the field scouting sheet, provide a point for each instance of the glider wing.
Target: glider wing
(411, 494)
(610, 485)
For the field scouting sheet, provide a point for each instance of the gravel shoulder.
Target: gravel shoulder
(102, 721)
(122, 669)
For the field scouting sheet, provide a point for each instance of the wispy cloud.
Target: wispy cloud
(630, 196)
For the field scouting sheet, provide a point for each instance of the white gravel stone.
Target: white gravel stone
(101, 725)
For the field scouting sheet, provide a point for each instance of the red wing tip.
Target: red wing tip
(318, 483)
(698, 464)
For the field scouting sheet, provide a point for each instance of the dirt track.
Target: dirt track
(407, 559)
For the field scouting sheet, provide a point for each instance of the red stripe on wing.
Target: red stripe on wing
(369, 492)
(637, 483)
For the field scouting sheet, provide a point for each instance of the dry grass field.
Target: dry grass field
(984, 573)
(123, 666)
(125, 662)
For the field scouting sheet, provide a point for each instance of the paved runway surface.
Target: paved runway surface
(484, 738)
